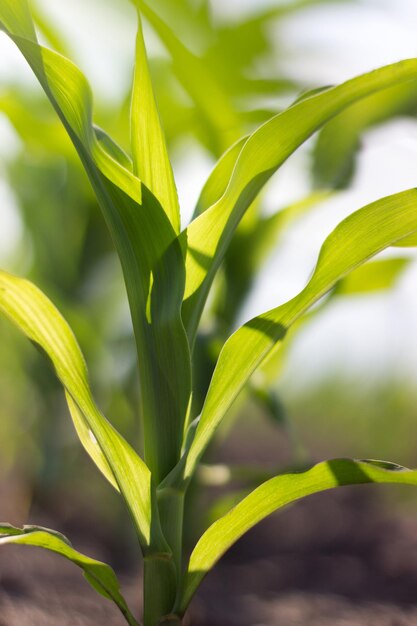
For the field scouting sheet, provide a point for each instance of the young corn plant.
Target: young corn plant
(168, 274)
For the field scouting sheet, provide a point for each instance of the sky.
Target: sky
(323, 45)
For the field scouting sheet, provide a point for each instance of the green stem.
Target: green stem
(171, 514)
(159, 587)
(130, 618)
(162, 571)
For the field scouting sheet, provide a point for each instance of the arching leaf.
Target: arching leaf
(356, 239)
(31, 311)
(275, 494)
(208, 236)
(150, 254)
(100, 576)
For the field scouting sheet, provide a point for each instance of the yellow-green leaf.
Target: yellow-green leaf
(200, 83)
(356, 239)
(100, 576)
(150, 254)
(275, 494)
(31, 311)
(150, 156)
(209, 235)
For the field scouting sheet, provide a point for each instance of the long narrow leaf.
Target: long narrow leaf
(150, 254)
(275, 494)
(268, 147)
(31, 311)
(357, 238)
(100, 576)
(373, 277)
(151, 162)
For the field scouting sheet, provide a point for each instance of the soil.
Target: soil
(336, 559)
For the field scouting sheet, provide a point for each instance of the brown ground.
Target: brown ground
(336, 559)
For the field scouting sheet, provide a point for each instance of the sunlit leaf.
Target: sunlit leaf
(218, 180)
(199, 82)
(149, 252)
(267, 148)
(100, 576)
(31, 311)
(275, 494)
(357, 238)
(151, 162)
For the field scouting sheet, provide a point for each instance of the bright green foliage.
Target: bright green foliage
(34, 314)
(276, 493)
(263, 153)
(151, 162)
(143, 235)
(355, 240)
(168, 276)
(198, 81)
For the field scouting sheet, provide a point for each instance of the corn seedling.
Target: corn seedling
(45, 173)
(168, 273)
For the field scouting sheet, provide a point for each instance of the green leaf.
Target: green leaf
(357, 238)
(377, 275)
(151, 162)
(100, 576)
(31, 311)
(251, 244)
(112, 148)
(199, 82)
(150, 254)
(218, 180)
(372, 277)
(209, 235)
(338, 142)
(17, 17)
(407, 242)
(275, 494)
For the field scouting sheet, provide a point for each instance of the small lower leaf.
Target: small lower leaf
(100, 576)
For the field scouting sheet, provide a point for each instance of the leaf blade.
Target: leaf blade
(100, 576)
(150, 155)
(356, 239)
(275, 494)
(199, 82)
(263, 153)
(31, 311)
(150, 253)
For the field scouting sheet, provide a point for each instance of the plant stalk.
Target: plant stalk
(162, 571)
(171, 514)
(159, 587)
